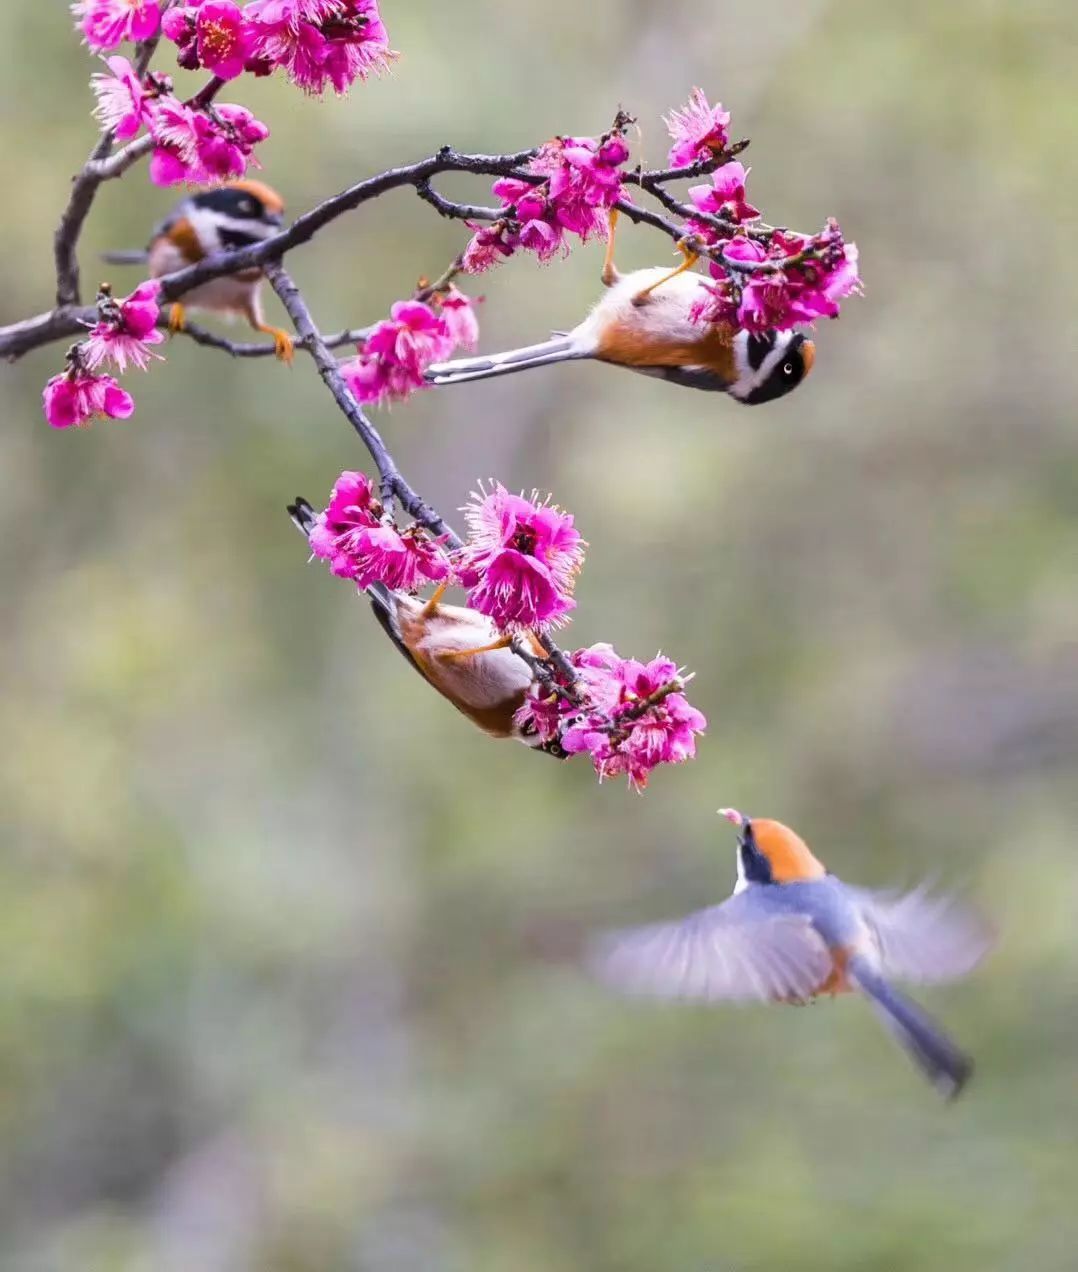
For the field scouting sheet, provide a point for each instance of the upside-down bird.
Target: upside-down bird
(457, 651)
(644, 323)
(223, 219)
(792, 931)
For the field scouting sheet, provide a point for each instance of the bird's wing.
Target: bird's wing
(924, 937)
(715, 954)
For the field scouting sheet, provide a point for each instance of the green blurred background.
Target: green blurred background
(278, 931)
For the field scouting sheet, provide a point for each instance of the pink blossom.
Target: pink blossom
(725, 196)
(321, 42)
(698, 131)
(359, 544)
(391, 362)
(74, 398)
(808, 278)
(622, 741)
(403, 561)
(458, 317)
(583, 180)
(126, 330)
(107, 23)
(211, 33)
(122, 104)
(487, 246)
(352, 509)
(546, 713)
(521, 560)
(198, 147)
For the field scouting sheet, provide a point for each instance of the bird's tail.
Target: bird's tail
(947, 1068)
(561, 348)
(130, 256)
(303, 516)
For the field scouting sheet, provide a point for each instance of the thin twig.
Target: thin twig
(393, 483)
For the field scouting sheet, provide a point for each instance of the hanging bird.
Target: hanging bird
(643, 323)
(457, 651)
(792, 932)
(225, 218)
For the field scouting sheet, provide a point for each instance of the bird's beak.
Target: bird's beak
(732, 815)
(808, 355)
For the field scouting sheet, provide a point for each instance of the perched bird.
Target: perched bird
(792, 932)
(225, 218)
(457, 651)
(643, 323)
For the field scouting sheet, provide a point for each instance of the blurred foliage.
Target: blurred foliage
(280, 935)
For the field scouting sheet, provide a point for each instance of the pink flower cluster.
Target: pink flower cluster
(361, 543)
(633, 719)
(698, 131)
(581, 180)
(124, 333)
(803, 278)
(521, 560)
(320, 42)
(317, 42)
(391, 363)
(198, 145)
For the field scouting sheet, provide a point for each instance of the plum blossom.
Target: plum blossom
(392, 360)
(391, 363)
(698, 130)
(202, 146)
(458, 317)
(725, 196)
(353, 506)
(75, 397)
(107, 23)
(320, 42)
(581, 180)
(794, 279)
(359, 543)
(487, 246)
(126, 330)
(632, 718)
(214, 34)
(521, 560)
(123, 105)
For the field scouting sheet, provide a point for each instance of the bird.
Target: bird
(792, 932)
(458, 651)
(221, 219)
(643, 323)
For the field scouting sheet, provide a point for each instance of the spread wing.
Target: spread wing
(715, 954)
(924, 937)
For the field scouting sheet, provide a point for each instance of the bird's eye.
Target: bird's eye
(248, 208)
(788, 368)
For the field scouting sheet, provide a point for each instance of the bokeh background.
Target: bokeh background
(280, 985)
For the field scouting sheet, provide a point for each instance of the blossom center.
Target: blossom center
(524, 541)
(217, 39)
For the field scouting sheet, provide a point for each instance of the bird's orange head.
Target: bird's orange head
(769, 852)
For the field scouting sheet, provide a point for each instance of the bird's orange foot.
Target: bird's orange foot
(177, 317)
(458, 655)
(690, 259)
(431, 607)
(284, 347)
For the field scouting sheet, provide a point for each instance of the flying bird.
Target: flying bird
(643, 323)
(458, 651)
(223, 219)
(792, 932)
